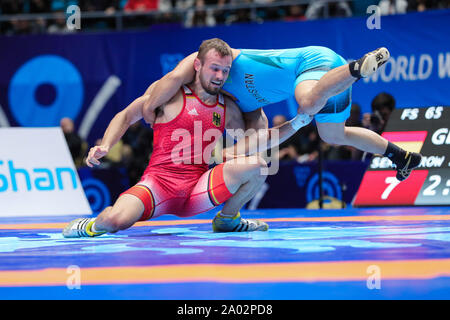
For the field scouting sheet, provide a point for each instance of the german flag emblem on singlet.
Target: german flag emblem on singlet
(216, 119)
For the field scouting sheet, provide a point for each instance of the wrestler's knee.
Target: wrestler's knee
(258, 169)
(257, 162)
(260, 177)
(240, 171)
(308, 102)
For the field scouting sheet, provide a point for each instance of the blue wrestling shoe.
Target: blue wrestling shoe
(80, 228)
(222, 223)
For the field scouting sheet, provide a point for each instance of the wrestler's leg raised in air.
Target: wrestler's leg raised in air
(369, 141)
(360, 138)
(312, 95)
(331, 126)
(328, 96)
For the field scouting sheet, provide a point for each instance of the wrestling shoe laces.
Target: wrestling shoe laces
(221, 223)
(413, 159)
(79, 228)
(371, 61)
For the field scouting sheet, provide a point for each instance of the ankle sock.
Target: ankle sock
(93, 229)
(396, 154)
(355, 68)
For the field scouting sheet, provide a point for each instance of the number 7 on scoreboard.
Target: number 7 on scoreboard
(381, 188)
(392, 182)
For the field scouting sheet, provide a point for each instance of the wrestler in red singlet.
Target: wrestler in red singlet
(177, 180)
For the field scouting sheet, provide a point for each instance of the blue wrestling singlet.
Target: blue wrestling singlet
(262, 77)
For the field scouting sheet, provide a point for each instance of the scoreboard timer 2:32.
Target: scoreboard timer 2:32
(423, 130)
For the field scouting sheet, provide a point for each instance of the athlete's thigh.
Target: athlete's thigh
(238, 171)
(155, 199)
(331, 132)
(337, 109)
(318, 62)
(303, 91)
(219, 184)
(209, 192)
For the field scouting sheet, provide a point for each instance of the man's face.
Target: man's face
(214, 71)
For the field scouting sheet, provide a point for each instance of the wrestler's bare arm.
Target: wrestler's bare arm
(257, 141)
(256, 119)
(161, 91)
(116, 129)
(234, 119)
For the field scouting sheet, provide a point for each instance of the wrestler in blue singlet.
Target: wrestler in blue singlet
(262, 77)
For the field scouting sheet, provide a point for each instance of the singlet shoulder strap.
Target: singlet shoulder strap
(221, 100)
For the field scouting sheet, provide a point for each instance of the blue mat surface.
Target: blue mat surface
(377, 253)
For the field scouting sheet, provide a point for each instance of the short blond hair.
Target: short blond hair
(217, 44)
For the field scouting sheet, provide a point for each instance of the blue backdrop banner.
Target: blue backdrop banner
(90, 77)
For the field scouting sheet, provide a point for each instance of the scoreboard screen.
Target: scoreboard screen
(423, 130)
